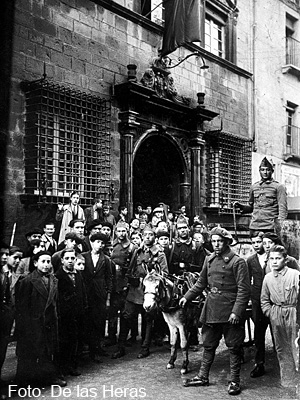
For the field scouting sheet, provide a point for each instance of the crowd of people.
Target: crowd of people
(83, 291)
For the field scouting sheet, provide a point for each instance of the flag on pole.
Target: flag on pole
(182, 24)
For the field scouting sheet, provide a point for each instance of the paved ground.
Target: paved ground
(131, 378)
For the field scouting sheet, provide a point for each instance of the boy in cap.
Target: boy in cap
(226, 279)
(267, 201)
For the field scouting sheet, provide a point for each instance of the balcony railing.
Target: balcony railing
(292, 51)
(292, 140)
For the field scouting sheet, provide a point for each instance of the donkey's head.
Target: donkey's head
(153, 290)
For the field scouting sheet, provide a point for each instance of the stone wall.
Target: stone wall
(82, 44)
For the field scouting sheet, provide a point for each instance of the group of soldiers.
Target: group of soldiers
(61, 298)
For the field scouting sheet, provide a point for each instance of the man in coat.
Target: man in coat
(67, 213)
(225, 277)
(36, 324)
(98, 281)
(72, 304)
(267, 201)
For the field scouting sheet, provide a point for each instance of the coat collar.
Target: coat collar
(227, 255)
(37, 282)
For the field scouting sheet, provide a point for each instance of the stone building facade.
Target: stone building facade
(89, 105)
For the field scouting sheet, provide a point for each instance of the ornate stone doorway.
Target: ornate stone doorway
(158, 172)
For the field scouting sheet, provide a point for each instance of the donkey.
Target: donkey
(162, 291)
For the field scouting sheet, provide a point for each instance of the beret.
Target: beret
(161, 233)
(34, 230)
(93, 223)
(222, 232)
(272, 236)
(73, 222)
(99, 236)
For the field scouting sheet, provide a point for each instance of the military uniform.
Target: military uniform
(144, 259)
(226, 279)
(268, 204)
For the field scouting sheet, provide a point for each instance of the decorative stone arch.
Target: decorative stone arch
(181, 150)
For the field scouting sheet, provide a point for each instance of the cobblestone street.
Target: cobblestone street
(149, 379)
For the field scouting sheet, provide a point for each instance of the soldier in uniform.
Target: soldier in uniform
(226, 279)
(144, 259)
(267, 201)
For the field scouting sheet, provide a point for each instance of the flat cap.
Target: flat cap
(222, 232)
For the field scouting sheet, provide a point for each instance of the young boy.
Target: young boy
(79, 263)
(257, 263)
(279, 298)
(72, 304)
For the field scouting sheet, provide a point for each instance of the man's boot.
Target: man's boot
(235, 369)
(202, 378)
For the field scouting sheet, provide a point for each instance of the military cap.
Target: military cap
(33, 231)
(99, 236)
(73, 236)
(122, 224)
(222, 232)
(94, 223)
(106, 207)
(266, 163)
(181, 220)
(272, 236)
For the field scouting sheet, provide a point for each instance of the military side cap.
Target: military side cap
(222, 232)
(122, 224)
(267, 163)
(148, 228)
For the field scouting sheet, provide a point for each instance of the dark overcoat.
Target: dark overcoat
(36, 316)
(72, 300)
(98, 280)
(226, 279)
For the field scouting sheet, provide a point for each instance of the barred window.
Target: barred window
(67, 142)
(228, 170)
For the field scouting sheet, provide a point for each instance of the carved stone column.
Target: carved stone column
(197, 173)
(128, 130)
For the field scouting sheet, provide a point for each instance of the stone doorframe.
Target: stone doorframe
(190, 146)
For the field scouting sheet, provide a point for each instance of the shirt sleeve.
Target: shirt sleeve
(282, 203)
(265, 300)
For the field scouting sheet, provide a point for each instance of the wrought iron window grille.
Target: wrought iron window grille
(67, 143)
(228, 170)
